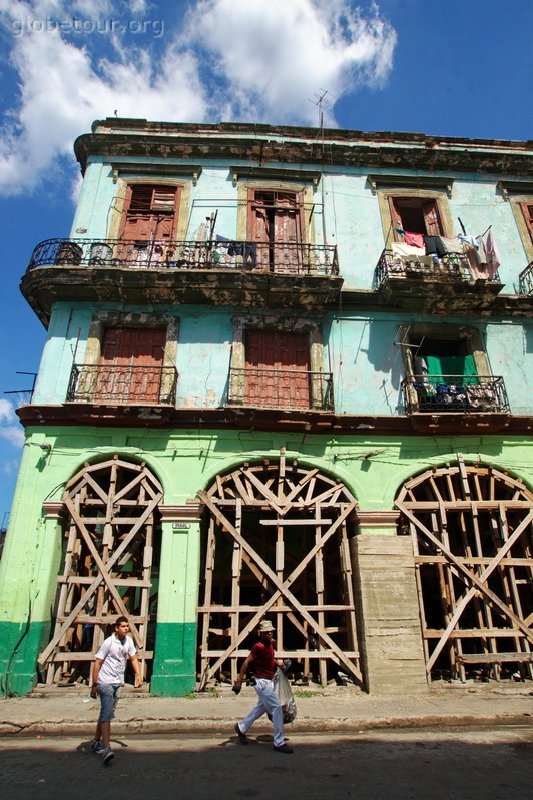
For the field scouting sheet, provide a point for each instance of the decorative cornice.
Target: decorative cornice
(377, 519)
(298, 146)
(54, 510)
(304, 421)
(190, 171)
(515, 187)
(288, 174)
(410, 181)
(191, 512)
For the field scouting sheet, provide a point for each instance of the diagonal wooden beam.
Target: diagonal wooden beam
(267, 494)
(471, 578)
(282, 588)
(98, 579)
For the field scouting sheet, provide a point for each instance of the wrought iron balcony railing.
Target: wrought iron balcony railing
(451, 268)
(276, 257)
(526, 280)
(122, 385)
(281, 388)
(439, 394)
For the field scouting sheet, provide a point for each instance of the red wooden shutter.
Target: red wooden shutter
(150, 211)
(432, 219)
(130, 365)
(527, 211)
(396, 220)
(277, 369)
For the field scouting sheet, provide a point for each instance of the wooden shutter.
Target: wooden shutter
(150, 211)
(432, 219)
(277, 369)
(396, 220)
(130, 365)
(527, 211)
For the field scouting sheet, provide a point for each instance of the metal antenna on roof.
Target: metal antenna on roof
(321, 103)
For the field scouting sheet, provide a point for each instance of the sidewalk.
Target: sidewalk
(341, 709)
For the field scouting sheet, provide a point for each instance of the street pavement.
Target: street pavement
(339, 709)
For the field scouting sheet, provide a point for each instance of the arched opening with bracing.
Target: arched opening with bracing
(110, 566)
(472, 533)
(276, 545)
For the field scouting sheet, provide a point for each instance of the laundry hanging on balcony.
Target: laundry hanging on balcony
(482, 253)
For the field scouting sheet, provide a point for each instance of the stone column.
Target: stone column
(174, 668)
(389, 622)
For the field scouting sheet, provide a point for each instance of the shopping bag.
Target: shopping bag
(283, 689)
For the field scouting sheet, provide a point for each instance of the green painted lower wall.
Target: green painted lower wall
(186, 461)
(174, 670)
(19, 646)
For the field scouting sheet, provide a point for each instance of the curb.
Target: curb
(199, 726)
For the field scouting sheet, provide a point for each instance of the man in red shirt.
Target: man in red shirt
(262, 659)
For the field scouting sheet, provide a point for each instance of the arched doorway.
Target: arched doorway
(110, 566)
(277, 545)
(472, 532)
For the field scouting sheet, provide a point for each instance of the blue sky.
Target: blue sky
(449, 67)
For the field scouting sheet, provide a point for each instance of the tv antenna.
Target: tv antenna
(321, 103)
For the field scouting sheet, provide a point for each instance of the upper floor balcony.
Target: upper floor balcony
(273, 273)
(462, 394)
(428, 283)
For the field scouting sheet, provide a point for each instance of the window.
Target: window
(424, 211)
(276, 225)
(415, 214)
(446, 369)
(150, 212)
(130, 368)
(276, 369)
(278, 364)
(129, 360)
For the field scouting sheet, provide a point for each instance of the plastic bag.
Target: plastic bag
(283, 689)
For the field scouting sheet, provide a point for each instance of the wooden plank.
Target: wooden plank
(98, 578)
(283, 589)
(478, 582)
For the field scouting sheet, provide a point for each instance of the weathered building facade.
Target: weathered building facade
(287, 373)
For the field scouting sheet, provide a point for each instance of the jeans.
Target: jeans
(109, 694)
(267, 703)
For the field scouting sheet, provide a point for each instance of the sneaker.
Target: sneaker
(243, 739)
(107, 754)
(96, 745)
(283, 748)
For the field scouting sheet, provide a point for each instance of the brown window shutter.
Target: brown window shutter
(396, 220)
(527, 211)
(432, 219)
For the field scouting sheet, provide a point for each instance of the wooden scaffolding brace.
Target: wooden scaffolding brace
(472, 532)
(107, 564)
(284, 500)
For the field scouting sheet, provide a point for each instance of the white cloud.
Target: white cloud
(233, 59)
(7, 412)
(10, 428)
(276, 55)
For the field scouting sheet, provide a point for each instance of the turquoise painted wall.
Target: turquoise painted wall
(359, 349)
(344, 206)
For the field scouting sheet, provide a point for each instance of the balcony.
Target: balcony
(444, 394)
(262, 274)
(526, 280)
(427, 284)
(272, 257)
(297, 390)
(122, 385)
